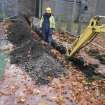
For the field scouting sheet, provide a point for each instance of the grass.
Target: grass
(3, 62)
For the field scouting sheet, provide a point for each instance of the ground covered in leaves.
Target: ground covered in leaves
(34, 63)
(90, 65)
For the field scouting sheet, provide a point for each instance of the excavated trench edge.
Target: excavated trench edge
(31, 55)
(88, 70)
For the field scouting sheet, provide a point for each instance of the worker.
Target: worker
(47, 25)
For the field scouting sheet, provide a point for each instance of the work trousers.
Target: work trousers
(47, 35)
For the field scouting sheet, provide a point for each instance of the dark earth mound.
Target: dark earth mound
(30, 54)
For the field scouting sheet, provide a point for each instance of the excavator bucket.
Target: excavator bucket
(85, 37)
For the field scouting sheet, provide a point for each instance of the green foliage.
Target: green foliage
(2, 15)
(2, 63)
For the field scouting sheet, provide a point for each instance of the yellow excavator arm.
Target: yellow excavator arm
(87, 35)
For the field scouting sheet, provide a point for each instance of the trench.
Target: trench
(92, 71)
(31, 55)
(35, 58)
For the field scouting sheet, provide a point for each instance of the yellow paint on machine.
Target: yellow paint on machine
(87, 35)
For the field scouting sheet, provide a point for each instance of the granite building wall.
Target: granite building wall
(68, 12)
(10, 8)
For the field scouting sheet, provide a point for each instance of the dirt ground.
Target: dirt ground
(32, 55)
(40, 75)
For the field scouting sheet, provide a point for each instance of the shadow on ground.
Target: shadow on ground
(88, 70)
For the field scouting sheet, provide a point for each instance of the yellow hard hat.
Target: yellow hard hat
(48, 10)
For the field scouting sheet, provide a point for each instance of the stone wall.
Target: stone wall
(11, 8)
(8, 8)
(62, 10)
(67, 13)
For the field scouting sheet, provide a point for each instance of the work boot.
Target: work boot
(43, 42)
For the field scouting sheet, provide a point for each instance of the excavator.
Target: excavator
(87, 35)
(90, 32)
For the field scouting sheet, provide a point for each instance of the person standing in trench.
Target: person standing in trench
(47, 25)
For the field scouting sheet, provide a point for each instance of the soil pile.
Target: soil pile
(31, 54)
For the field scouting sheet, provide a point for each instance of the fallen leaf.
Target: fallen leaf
(42, 103)
(36, 92)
